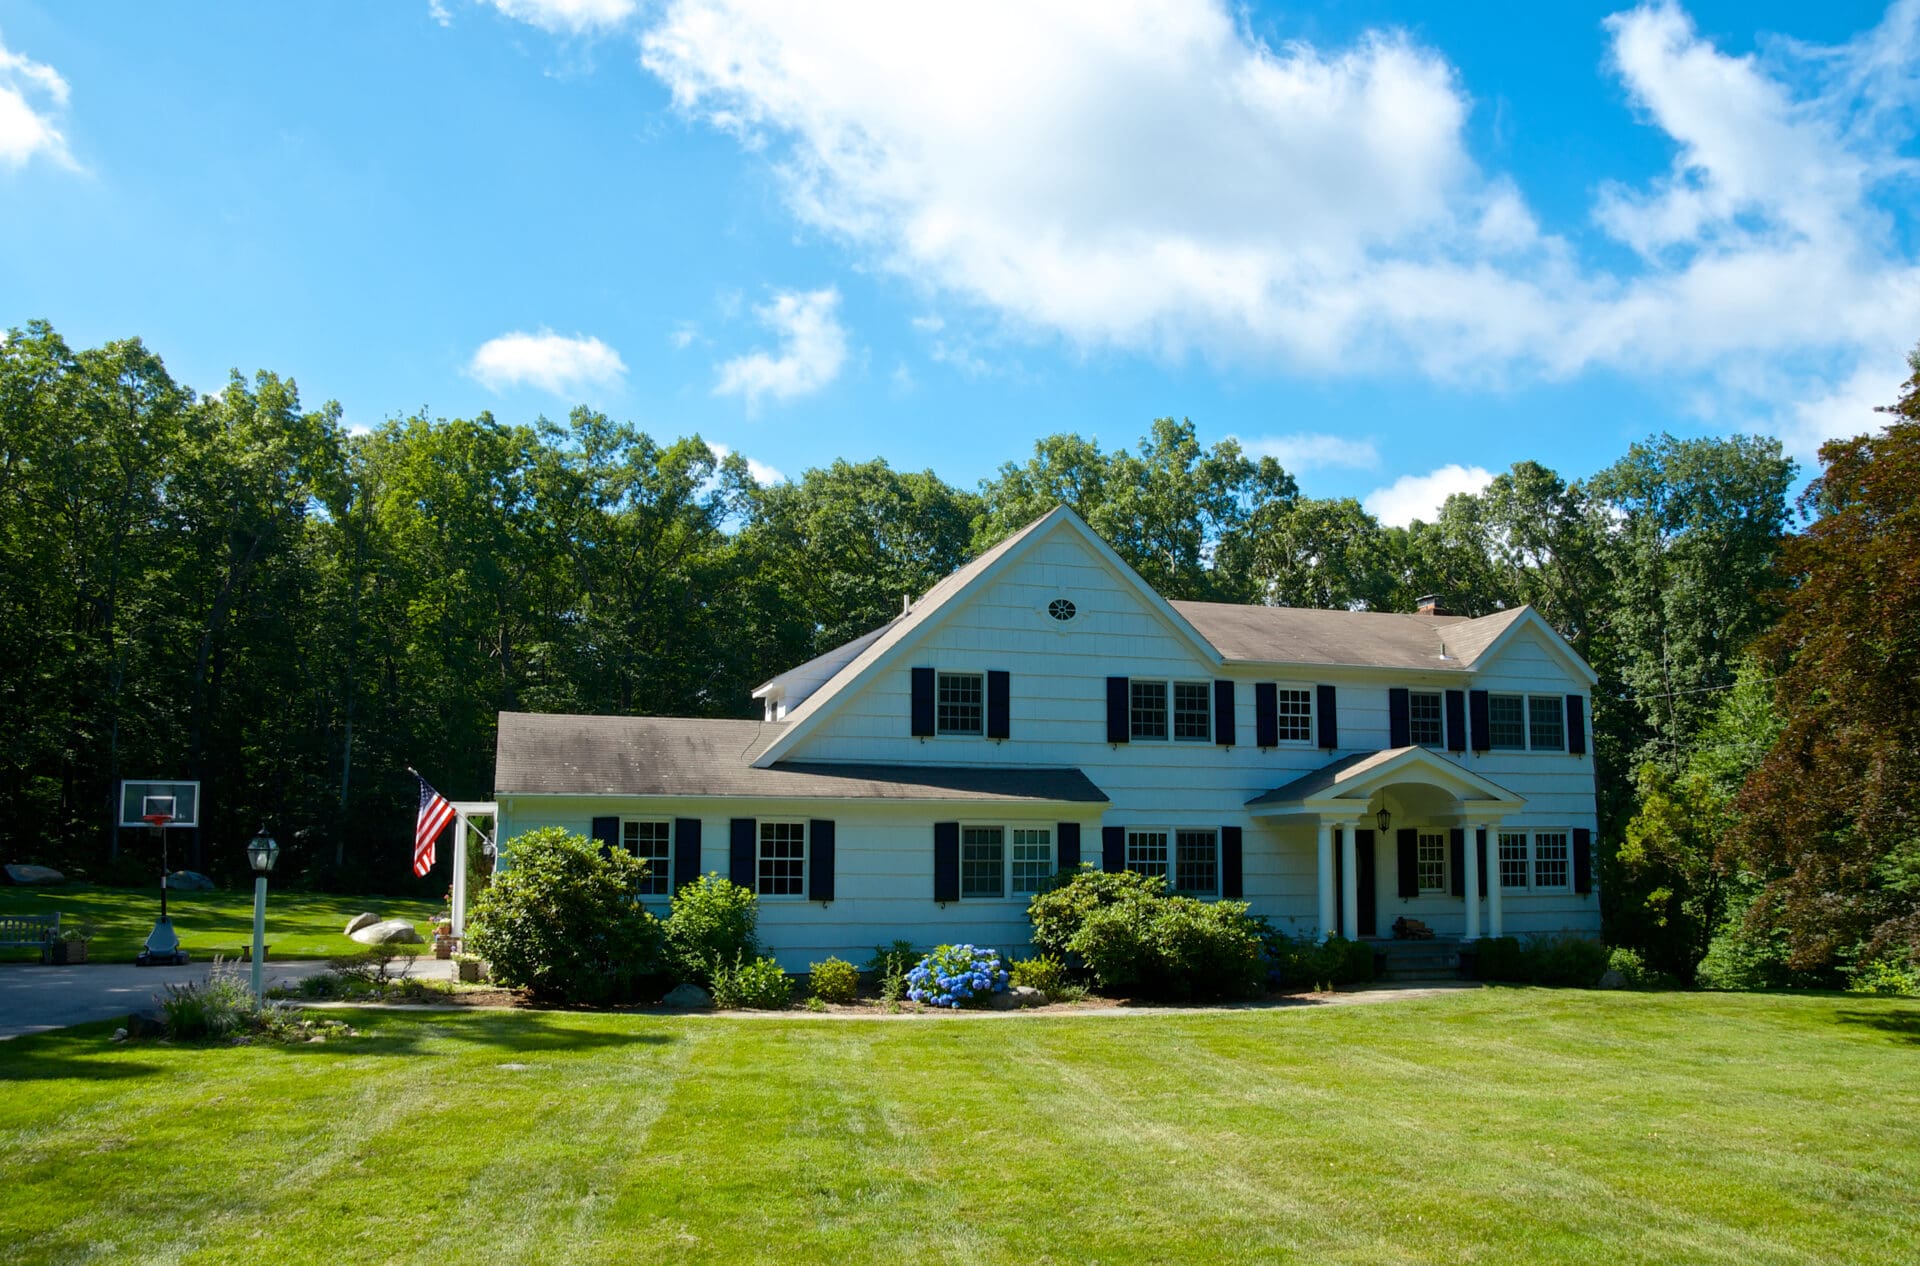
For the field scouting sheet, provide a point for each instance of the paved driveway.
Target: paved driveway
(34, 998)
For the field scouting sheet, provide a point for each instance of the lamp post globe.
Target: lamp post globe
(262, 852)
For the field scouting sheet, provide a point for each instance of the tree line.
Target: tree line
(237, 588)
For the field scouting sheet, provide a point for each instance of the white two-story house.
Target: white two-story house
(1043, 708)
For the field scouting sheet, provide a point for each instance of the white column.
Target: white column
(1472, 853)
(1349, 882)
(1493, 879)
(1326, 880)
(459, 903)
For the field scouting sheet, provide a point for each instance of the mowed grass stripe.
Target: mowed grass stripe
(1497, 1125)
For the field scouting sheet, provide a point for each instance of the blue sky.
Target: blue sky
(1396, 245)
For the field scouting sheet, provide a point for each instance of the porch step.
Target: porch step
(1436, 959)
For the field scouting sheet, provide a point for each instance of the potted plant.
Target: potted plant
(469, 968)
(71, 945)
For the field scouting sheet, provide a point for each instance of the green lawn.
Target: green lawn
(1499, 1126)
(299, 924)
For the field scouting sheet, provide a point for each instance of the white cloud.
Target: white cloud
(437, 10)
(1153, 177)
(32, 97)
(552, 362)
(1413, 497)
(761, 473)
(1307, 450)
(813, 347)
(569, 17)
(683, 335)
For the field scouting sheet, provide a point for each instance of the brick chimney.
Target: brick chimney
(1430, 605)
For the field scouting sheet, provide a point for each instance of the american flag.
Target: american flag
(435, 813)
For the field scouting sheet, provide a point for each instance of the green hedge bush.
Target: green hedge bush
(1541, 960)
(753, 984)
(1307, 962)
(1058, 912)
(835, 980)
(713, 921)
(1135, 939)
(564, 921)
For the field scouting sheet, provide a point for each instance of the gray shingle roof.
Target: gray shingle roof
(1361, 639)
(547, 754)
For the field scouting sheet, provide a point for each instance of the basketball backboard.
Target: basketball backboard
(140, 797)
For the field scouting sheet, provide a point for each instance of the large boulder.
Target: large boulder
(389, 932)
(189, 881)
(1003, 1001)
(1611, 979)
(1028, 996)
(359, 921)
(24, 874)
(145, 1024)
(688, 997)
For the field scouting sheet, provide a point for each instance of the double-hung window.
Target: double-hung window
(959, 704)
(1546, 723)
(1423, 717)
(1293, 714)
(1196, 862)
(1147, 853)
(1193, 711)
(1032, 859)
(783, 859)
(1182, 710)
(1536, 861)
(1149, 709)
(1507, 723)
(648, 840)
(983, 861)
(1430, 861)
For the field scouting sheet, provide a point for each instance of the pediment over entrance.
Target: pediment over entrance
(1348, 785)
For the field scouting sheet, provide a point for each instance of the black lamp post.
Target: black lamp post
(262, 852)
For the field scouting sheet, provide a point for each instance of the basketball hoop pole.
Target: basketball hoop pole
(158, 822)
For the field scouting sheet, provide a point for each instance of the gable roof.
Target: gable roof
(1364, 639)
(1358, 776)
(555, 754)
(903, 631)
(823, 666)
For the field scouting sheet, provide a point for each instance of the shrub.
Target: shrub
(1542, 960)
(954, 974)
(712, 921)
(217, 1007)
(1633, 968)
(754, 984)
(1045, 973)
(1886, 976)
(1500, 958)
(1313, 963)
(1058, 912)
(896, 959)
(1174, 948)
(564, 921)
(835, 980)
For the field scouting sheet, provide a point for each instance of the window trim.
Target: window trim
(1527, 698)
(760, 826)
(1280, 716)
(980, 678)
(1007, 827)
(666, 869)
(1530, 837)
(1173, 834)
(1439, 718)
(1169, 696)
(1445, 889)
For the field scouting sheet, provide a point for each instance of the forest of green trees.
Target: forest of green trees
(235, 588)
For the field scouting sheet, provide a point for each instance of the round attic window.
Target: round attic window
(1061, 609)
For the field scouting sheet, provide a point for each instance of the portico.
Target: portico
(1438, 815)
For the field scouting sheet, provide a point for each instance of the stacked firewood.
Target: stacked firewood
(1411, 929)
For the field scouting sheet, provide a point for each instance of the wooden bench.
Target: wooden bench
(30, 931)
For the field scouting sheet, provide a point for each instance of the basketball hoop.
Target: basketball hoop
(157, 821)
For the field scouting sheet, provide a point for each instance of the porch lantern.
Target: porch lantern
(262, 852)
(1383, 820)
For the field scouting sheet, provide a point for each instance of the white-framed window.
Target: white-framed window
(1517, 723)
(999, 860)
(983, 861)
(1425, 727)
(1148, 709)
(651, 840)
(1293, 714)
(959, 703)
(1430, 861)
(1147, 853)
(782, 871)
(1032, 863)
(1546, 723)
(1193, 711)
(1507, 723)
(1196, 862)
(1535, 861)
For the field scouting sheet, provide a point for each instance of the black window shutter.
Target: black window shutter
(820, 859)
(1113, 849)
(999, 693)
(1582, 859)
(1223, 713)
(686, 852)
(923, 701)
(1366, 883)
(1456, 721)
(1230, 885)
(1339, 881)
(1399, 719)
(1482, 725)
(1459, 857)
(1409, 848)
(1480, 847)
(742, 843)
(1066, 845)
(1326, 716)
(607, 831)
(1577, 725)
(946, 861)
(1266, 714)
(1119, 729)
